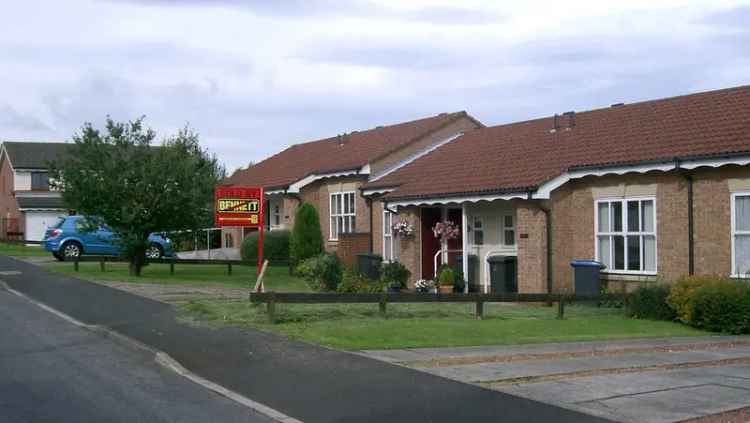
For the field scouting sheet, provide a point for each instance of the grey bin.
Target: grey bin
(369, 265)
(473, 267)
(587, 276)
(503, 274)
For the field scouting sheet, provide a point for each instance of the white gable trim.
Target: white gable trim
(457, 200)
(398, 165)
(374, 191)
(307, 180)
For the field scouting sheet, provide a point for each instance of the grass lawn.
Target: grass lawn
(21, 250)
(360, 326)
(276, 279)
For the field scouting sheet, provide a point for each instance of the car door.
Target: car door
(108, 241)
(89, 238)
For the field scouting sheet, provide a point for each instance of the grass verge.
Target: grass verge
(21, 250)
(277, 278)
(360, 326)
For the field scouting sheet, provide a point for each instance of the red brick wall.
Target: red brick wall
(531, 239)
(352, 244)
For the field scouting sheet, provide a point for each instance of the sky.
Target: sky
(255, 76)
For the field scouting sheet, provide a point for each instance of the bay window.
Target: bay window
(626, 235)
(741, 234)
(343, 214)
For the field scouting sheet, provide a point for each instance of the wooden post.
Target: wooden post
(561, 307)
(383, 302)
(271, 307)
(171, 267)
(229, 269)
(101, 264)
(259, 287)
(480, 309)
(75, 264)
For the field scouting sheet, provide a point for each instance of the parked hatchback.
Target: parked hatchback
(68, 238)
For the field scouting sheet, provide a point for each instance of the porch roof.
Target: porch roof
(523, 156)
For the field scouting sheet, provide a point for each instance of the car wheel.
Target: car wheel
(154, 251)
(71, 250)
(59, 256)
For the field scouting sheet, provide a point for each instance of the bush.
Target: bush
(650, 302)
(681, 294)
(394, 273)
(275, 246)
(322, 272)
(722, 306)
(307, 239)
(355, 282)
(446, 276)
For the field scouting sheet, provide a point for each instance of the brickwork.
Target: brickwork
(410, 249)
(531, 238)
(8, 203)
(352, 244)
(377, 227)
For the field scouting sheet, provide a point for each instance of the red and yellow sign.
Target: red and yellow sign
(239, 206)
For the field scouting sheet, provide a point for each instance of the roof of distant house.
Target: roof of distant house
(54, 202)
(33, 155)
(522, 156)
(340, 153)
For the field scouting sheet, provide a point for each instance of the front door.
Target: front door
(454, 245)
(430, 244)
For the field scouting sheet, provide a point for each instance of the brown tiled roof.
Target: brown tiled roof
(523, 155)
(330, 155)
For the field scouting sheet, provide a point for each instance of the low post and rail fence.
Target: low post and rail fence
(382, 299)
(172, 262)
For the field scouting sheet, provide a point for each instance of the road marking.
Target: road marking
(9, 272)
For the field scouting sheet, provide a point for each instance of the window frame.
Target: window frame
(388, 233)
(504, 229)
(331, 216)
(733, 234)
(38, 188)
(474, 230)
(625, 233)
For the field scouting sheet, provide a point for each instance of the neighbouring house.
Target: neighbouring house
(654, 190)
(27, 204)
(329, 173)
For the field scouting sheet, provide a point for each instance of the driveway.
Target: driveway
(650, 380)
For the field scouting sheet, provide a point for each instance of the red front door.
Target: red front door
(430, 244)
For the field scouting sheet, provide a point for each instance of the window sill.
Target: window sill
(629, 277)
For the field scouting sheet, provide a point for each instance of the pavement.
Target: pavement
(304, 381)
(645, 380)
(52, 370)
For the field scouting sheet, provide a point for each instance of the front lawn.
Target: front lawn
(21, 250)
(276, 279)
(360, 326)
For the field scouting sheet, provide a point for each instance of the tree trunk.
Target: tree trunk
(137, 262)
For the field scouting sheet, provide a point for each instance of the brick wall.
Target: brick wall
(352, 244)
(531, 238)
(410, 249)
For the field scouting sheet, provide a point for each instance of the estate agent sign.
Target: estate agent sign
(241, 207)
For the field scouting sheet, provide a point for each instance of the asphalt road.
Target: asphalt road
(54, 371)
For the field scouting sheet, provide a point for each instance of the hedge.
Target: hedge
(275, 246)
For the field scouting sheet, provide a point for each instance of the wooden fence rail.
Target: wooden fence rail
(168, 260)
(382, 299)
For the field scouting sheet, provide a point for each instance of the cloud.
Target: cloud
(738, 17)
(13, 120)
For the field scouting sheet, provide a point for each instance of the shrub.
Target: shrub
(322, 272)
(681, 295)
(650, 302)
(394, 273)
(722, 306)
(307, 239)
(446, 276)
(275, 246)
(355, 282)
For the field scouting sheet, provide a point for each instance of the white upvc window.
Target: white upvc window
(626, 235)
(389, 241)
(343, 214)
(741, 234)
(508, 234)
(478, 230)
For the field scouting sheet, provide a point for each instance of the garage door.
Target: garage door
(37, 223)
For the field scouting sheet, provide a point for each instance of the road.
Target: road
(54, 371)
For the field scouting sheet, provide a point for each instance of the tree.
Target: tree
(136, 188)
(307, 239)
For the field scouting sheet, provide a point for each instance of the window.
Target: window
(389, 247)
(478, 231)
(509, 231)
(39, 181)
(741, 234)
(343, 214)
(276, 215)
(626, 235)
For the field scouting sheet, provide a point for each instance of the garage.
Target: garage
(39, 212)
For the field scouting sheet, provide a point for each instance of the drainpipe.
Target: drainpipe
(691, 229)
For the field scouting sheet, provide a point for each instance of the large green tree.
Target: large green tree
(135, 187)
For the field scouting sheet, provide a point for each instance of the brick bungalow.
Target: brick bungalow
(329, 173)
(27, 203)
(654, 190)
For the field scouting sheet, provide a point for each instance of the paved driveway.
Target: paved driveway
(657, 380)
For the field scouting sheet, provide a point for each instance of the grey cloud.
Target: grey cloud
(12, 119)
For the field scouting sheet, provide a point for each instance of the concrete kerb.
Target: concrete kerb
(161, 358)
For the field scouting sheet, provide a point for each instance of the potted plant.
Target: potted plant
(446, 279)
(394, 275)
(424, 285)
(446, 230)
(403, 229)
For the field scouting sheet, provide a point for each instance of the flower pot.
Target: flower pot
(446, 289)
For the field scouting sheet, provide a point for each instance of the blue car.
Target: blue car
(68, 239)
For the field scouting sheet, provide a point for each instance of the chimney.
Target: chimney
(556, 124)
(571, 118)
(341, 139)
(618, 104)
